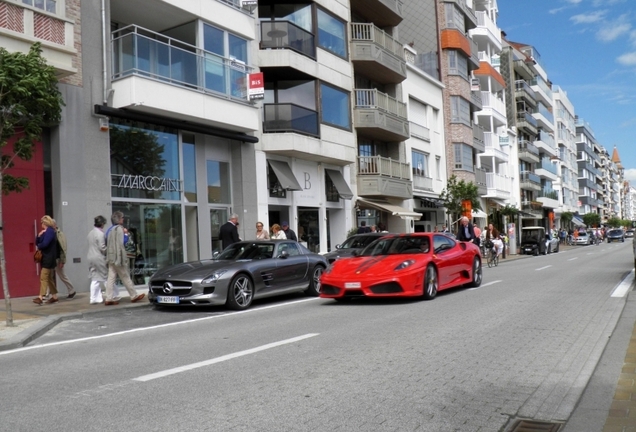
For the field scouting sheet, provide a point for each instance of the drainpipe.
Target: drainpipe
(105, 27)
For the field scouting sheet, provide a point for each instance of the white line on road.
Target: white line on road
(543, 268)
(623, 287)
(485, 285)
(192, 366)
(572, 259)
(228, 315)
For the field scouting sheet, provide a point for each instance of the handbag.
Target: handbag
(37, 256)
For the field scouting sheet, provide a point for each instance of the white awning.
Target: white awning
(479, 214)
(498, 201)
(395, 210)
(577, 221)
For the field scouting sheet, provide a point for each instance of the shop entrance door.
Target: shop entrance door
(309, 228)
(218, 216)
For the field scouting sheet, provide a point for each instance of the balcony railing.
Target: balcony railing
(547, 165)
(387, 167)
(547, 139)
(484, 20)
(480, 180)
(491, 142)
(369, 32)
(525, 145)
(373, 98)
(422, 182)
(549, 193)
(527, 117)
(541, 109)
(141, 52)
(498, 182)
(287, 35)
(420, 131)
(529, 176)
(490, 100)
(289, 117)
(538, 81)
(521, 85)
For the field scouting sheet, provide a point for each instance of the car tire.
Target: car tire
(477, 274)
(314, 282)
(431, 283)
(240, 292)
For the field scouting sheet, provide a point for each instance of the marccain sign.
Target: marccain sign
(151, 183)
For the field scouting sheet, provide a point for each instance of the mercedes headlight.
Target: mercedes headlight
(213, 277)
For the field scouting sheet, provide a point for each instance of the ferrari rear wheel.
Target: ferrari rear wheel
(477, 275)
(314, 282)
(431, 283)
(240, 293)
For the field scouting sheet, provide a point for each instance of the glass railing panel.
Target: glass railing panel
(285, 34)
(290, 118)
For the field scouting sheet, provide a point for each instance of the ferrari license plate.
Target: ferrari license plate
(168, 299)
(352, 285)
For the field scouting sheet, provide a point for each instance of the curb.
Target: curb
(28, 335)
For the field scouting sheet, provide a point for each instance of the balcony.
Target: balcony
(546, 169)
(478, 138)
(581, 147)
(549, 198)
(384, 13)
(469, 13)
(419, 131)
(379, 116)
(155, 74)
(522, 68)
(527, 122)
(528, 152)
(473, 59)
(384, 177)
(530, 181)
(532, 209)
(524, 92)
(588, 200)
(588, 184)
(21, 27)
(486, 28)
(287, 35)
(493, 106)
(545, 119)
(376, 54)
(542, 90)
(290, 118)
(480, 181)
(475, 100)
(583, 164)
(493, 149)
(422, 183)
(546, 144)
(498, 186)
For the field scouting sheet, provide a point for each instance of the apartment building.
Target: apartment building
(57, 26)
(566, 185)
(590, 178)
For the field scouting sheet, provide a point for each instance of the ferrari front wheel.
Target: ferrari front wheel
(477, 275)
(431, 283)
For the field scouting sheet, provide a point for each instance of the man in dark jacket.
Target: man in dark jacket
(291, 235)
(363, 229)
(228, 234)
(466, 231)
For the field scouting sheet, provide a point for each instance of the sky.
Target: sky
(588, 48)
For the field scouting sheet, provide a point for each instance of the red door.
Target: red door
(21, 213)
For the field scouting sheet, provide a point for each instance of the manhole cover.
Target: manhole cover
(535, 426)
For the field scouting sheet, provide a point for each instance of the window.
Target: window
(331, 34)
(438, 168)
(189, 169)
(463, 157)
(457, 64)
(225, 63)
(218, 182)
(420, 164)
(334, 105)
(460, 110)
(331, 191)
(454, 17)
(275, 188)
(47, 5)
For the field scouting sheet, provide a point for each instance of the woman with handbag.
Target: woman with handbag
(46, 241)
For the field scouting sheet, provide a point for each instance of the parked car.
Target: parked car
(404, 265)
(616, 234)
(584, 238)
(536, 241)
(243, 272)
(355, 243)
(629, 233)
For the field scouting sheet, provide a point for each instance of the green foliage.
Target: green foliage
(352, 231)
(567, 217)
(614, 222)
(29, 101)
(592, 219)
(509, 211)
(458, 191)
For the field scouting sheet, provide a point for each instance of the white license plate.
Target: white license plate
(352, 285)
(168, 299)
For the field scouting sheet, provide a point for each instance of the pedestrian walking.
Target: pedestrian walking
(117, 260)
(291, 235)
(96, 257)
(228, 233)
(61, 261)
(46, 241)
(278, 233)
(261, 234)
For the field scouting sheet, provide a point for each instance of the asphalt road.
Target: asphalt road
(522, 345)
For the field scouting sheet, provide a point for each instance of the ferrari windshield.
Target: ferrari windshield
(242, 251)
(358, 241)
(397, 246)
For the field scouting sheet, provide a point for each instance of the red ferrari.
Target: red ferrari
(404, 265)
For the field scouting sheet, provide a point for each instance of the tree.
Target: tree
(456, 192)
(592, 219)
(566, 217)
(614, 222)
(29, 101)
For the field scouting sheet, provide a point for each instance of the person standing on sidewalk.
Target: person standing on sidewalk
(46, 241)
(97, 267)
(59, 270)
(118, 261)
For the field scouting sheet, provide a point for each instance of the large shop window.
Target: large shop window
(144, 162)
(334, 105)
(218, 182)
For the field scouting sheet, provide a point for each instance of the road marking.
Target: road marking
(484, 285)
(192, 366)
(572, 259)
(227, 315)
(623, 287)
(543, 268)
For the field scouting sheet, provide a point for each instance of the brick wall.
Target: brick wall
(12, 17)
(73, 14)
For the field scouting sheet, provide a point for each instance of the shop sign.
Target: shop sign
(151, 183)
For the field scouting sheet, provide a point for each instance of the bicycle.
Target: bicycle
(492, 256)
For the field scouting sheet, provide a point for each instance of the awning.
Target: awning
(339, 182)
(395, 210)
(577, 221)
(479, 214)
(285, 176)
(427, 201)
(498, 201)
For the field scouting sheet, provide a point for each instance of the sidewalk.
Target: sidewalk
(32, 320)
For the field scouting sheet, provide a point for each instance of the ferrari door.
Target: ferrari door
(448, 258)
